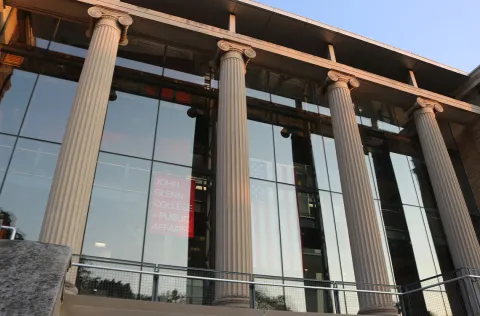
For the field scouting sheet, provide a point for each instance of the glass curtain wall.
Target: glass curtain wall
(152, 195)
(403, 192)
(412, 235)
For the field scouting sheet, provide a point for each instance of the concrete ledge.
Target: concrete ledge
(31, 277)
(83, 305)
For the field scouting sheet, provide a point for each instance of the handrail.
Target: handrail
(232, 281)
(441, 283)
(275, 284)
(13, 229)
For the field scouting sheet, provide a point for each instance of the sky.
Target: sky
(446, 31)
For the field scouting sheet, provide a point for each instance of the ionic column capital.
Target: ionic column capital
(336, 79)
(246, 52)
(101, 15)
(422, 106)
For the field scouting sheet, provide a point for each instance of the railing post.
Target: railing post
(252, 293)
(155, 284)
(336, 299)
(401, 298)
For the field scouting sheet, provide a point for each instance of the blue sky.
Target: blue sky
(447, 31)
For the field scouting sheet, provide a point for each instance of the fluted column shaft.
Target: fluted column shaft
(67, 208)
(233, 219)
(367, 252)
(461, 237)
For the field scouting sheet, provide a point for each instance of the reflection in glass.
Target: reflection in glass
(320, 162)
(283, 101)
(290, 231)
(6, 148)
(68, 49)
(175, 134)
(261, 150)
(350, 305)
(117, 284)
(49, 109)
(130, 125)
(14, 100)
(310, 107)
(328, 218)
(425, 256)
(137, 65)
(405, 180)
(283, 157)
(118, 206)
(332, 164)
(187, 65)
(258, 94)
(182, 76)
(27, 185)
(170, 219)
(265, 229)
(343, 238)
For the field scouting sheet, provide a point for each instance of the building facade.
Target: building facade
(246, 140)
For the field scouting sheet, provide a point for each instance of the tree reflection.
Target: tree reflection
(88, 285)
(266, 302)
(6, 219)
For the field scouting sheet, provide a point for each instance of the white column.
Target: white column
(366, 244)
(461, 237)
(67, 208)
(233, 250)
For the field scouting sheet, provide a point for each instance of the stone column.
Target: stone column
(365, 241)
(233, 250)
(67, 208)
(461, 237)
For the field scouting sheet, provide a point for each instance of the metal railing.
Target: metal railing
(208, 287)
(13, 231)
(455, 294)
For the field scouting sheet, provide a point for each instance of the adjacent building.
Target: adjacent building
(227, 135)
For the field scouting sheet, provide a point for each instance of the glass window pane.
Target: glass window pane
(70, 39)
(283, 101)
(130, 125)
(68, 49)
(27, 185)
(118, 207)
(332, 164)
(383, 236)
(265, 228)
(425, 256)
(404, 176)
(49, 109)
(320, 162)
(310, 107)
(419, 231)
(187, 65)
(343, 238)
(258, 94)
(261, 150)
(133, 64)
(290, 232)
(14, 100)
(175, 134)
(328, 219)
(6, 148)
(324, 111)
(182, 76)
(283, 157)
(371, 175)
(170, 217)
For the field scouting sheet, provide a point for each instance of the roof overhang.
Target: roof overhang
(159, 26)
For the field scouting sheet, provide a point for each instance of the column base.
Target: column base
(70, 288)
(378, 310)
(237, 302)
